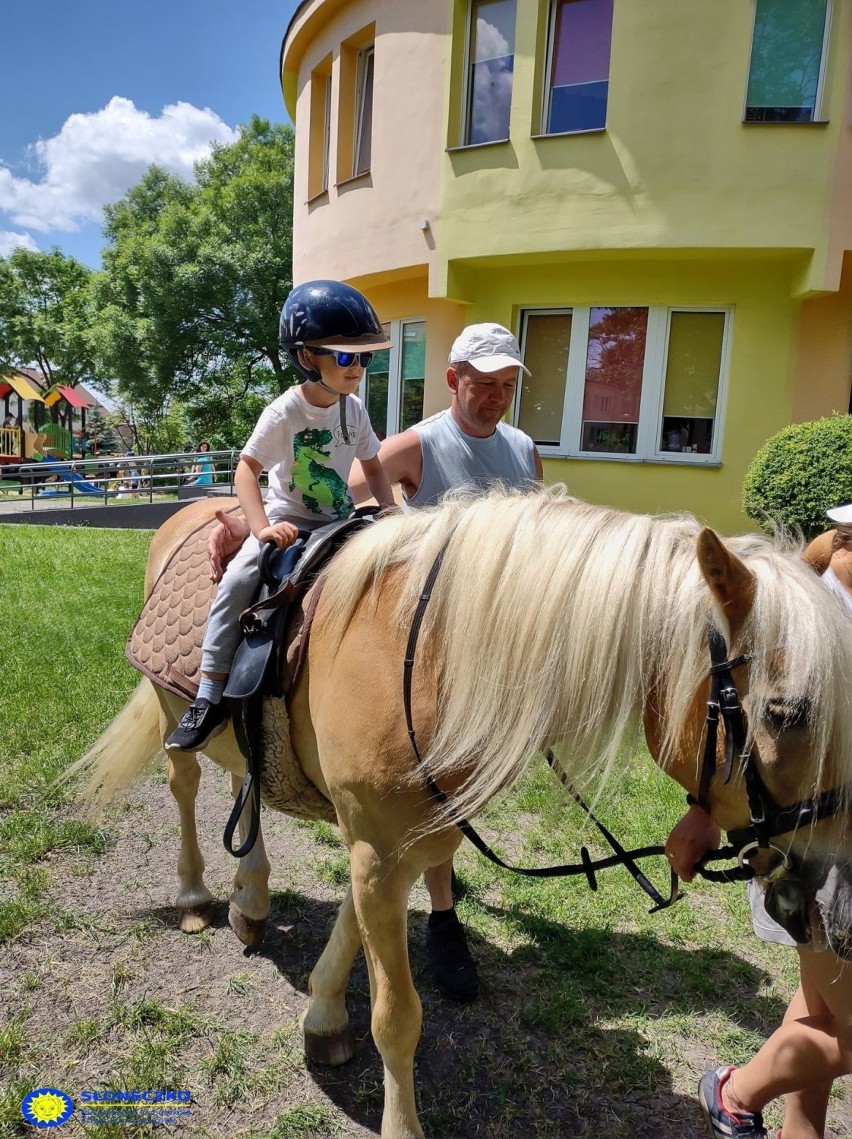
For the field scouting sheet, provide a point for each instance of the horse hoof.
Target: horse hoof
(250, 931)
(196, 918)
(330, 1051)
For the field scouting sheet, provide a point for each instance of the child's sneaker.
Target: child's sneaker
(725, 1124)
(198, 725)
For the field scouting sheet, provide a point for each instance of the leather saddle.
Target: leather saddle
(259, 667)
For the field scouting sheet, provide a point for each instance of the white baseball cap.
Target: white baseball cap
(841, 514)
(489, 347)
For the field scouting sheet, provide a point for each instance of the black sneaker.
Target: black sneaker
(198, 725)
(453, 968)
(725, 1124)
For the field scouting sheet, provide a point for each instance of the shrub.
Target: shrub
(800, 473)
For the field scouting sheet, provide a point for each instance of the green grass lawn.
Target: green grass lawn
(68, 599)
(618, 994)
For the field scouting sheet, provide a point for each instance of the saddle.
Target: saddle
(165, 643)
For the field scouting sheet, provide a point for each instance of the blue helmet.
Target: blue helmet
(328, 314)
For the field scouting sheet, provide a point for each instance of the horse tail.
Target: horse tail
(123, 751)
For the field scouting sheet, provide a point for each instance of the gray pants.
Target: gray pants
(237, 590)
(764, 926)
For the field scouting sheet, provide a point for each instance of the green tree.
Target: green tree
(800, 473)
(194, 278)
(45, 315)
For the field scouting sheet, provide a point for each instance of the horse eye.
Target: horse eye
(784, 714)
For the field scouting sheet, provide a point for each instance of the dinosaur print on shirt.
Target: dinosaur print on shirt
(323, 490)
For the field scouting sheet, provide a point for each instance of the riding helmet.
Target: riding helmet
(328, 314)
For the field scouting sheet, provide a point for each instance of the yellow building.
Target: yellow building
(655, 196)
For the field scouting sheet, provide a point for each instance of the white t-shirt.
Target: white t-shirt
(837, 587)
(302, 448)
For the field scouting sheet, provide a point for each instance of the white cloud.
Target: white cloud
(10, 241)
(97, 157)
(490, 41)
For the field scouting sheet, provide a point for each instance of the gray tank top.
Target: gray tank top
(453, 459)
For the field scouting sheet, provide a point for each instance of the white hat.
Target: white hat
(841, 514)
(489, 347)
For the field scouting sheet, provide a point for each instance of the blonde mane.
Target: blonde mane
(552, 620)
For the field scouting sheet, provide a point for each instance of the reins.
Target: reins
(587, 865)
(767, 820)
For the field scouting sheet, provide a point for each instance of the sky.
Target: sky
(95, 91)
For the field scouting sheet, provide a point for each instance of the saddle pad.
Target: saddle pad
(165, 643)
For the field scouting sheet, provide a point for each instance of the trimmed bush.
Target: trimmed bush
(800, 473)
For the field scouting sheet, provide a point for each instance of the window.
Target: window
(392, 389)
(491, 56)
(354, 104)
(787, 61)
(612, 384)
(319, 139)
(625, 382)
(578, 66)
(364, 121)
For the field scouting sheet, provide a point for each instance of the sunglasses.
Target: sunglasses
(344, 359)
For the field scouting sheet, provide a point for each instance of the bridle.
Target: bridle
(767, 820)
(786, 898)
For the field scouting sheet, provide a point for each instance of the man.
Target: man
(465, 445)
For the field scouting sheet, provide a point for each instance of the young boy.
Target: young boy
(306, 439)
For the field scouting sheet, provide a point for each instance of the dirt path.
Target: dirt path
(116, 996)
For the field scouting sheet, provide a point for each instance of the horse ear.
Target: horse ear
(817, 554)
(732, 584)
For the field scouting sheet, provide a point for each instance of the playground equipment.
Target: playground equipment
(65, 471)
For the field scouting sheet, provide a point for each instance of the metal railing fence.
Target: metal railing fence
(124, 478)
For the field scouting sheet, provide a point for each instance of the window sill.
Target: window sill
(782, 123)
(318, 199)
(475, 146)
(346, 183)
(567, 134)
(610, 457)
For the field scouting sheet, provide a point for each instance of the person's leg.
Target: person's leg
(439, 883)
(806, 1052)
(447, 952)
(805, 1111)
(206, 717)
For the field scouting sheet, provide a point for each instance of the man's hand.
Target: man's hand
(694, 836)
(283, 534)
(224, 541)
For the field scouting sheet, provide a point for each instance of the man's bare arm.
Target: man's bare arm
(539, 469)
(402, 460)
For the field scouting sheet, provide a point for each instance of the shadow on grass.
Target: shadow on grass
(545, 1051)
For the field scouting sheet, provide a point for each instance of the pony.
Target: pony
(552, 623)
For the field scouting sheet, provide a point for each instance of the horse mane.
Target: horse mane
(552, 620)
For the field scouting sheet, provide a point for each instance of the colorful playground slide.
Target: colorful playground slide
(63, 471)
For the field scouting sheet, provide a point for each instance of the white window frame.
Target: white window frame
(820, 90)
(365, 53)
(467, 101)
(396, 336)
(548, 68)
(653, 386)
